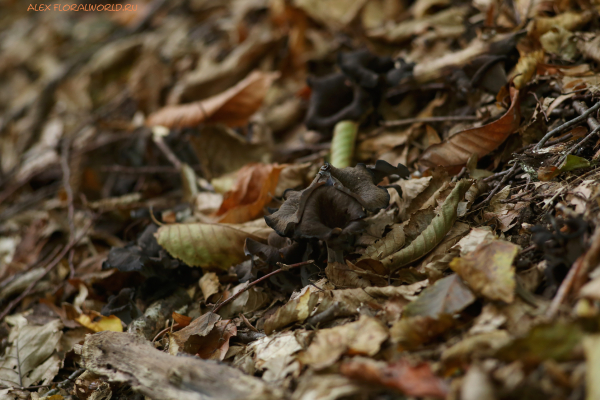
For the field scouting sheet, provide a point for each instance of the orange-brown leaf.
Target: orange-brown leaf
(455, 151)
(232, 107)
(252, 191)
(412, 380)
(182, 320)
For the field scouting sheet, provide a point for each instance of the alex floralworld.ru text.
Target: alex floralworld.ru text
(82, 7)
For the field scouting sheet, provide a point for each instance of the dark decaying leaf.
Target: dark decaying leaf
(278, 249)
(187, 339)
(122, 305)
(454, 152)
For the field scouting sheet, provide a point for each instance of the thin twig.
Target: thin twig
(508, 174)
(567, 125)
(577, 145)
(64, 383)
(259, 280)
(409, 121)
(48, 268)
(160, 143)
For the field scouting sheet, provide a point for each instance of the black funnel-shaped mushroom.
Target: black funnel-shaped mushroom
(333, 207)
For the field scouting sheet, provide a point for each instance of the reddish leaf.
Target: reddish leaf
(412, 380)
(251, 192)
(182, 320)
(455, 151)
(232, 107)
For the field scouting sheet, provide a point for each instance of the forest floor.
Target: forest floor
(300, 199)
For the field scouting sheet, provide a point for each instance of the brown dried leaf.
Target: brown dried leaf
(210, 285)
(412, 380)
(410, 333)
(488, 270)
(184, 339)
(526, 68)
(252, 191)
(296, 310)
(455, 151)
(364, 337)
(232, 107)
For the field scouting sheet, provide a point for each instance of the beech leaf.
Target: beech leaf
(364, 337)
(455, 151)
(488, 269)
(296, 310)
(252, 191)
(232, 107)
(206, 245)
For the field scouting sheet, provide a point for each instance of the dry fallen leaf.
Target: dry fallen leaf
(363, 337)
(232, 107)
(411, 379)
(447, 296)
(488, 269)
(296, 310)
(207, 245)
(98, 323)
(252, 191)
(455, 151)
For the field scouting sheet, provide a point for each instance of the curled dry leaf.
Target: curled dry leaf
(296, 310)
(209, 285)
(488, 270)
(362, 337)
(410, 333)
(454, 152)
(412, 380)
(448, 295)
(252, 191)
(98, 322)
(206, 245)
(433, 234)
(232, 107)
(186, 339)
(526, 68)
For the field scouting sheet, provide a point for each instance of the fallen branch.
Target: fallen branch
(122, 357)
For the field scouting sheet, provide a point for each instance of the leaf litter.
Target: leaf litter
(300, 199)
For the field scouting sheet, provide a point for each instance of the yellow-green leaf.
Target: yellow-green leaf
(342, 144)
(434, 233)
(205, 245)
